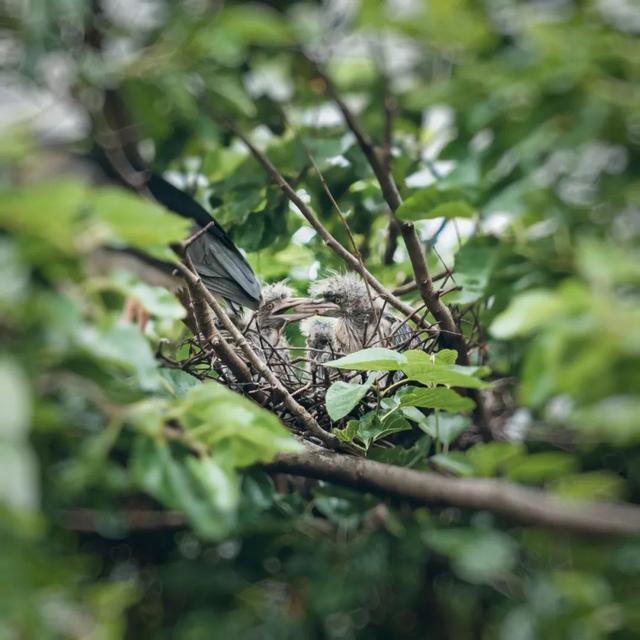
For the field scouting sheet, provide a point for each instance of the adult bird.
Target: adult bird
(361, 319)
(219, 263)
(221, 267)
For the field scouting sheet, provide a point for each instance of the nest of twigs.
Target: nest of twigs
(301, 372)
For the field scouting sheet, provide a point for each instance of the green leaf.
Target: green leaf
(19, 475)
(207, 493)
(477, 556)
(473, 268)
(123, 346)
(447, 428)
(255, 24)
(138, 223)
(489, 458)
(374, 359)
(541, 467)
(235, 429)
(526, 313)
(434, 202)
(158, 301)
(538, 308)
(453, 462)
(372, 428)
(179, 381)
(348, 433)
(400, 456)
(615, 419)
(444, 356)
(49, 211)
(594, 485)
(15, 400)
(342, 397)
(232, 92)
(439, 398)
(450, 375)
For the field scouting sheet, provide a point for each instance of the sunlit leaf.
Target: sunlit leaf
(374, 359)
(432, 202)
(438, 398)
(235, 429)
(343, 397)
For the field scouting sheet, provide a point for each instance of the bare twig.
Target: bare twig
(351, 260)
(390, 192)
(222, 348)
(412, 285)
(507, 499)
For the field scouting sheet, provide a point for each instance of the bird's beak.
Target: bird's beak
(292, 310)
(318, 307)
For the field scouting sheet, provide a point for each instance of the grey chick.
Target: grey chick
(360, 322)
(320, 338)
(265, 330)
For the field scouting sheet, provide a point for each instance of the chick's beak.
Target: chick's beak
(295, 309)
(318, 307)
(283, 310)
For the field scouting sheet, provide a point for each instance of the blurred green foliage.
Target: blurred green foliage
(517, 122)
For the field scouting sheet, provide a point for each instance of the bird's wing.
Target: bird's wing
(214, 255)
(399, 331)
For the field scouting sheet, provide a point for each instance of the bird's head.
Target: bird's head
(344, 296)
(279, 306)
(318, 332)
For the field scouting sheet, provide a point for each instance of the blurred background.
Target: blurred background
(519, 120)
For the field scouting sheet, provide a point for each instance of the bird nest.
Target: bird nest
(301, 369)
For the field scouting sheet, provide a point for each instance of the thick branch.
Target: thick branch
(451, 336)
(531, 506)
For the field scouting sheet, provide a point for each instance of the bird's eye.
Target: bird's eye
(337, 299)
(269, 306)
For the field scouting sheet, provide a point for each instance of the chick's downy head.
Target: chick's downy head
(277, 301)
(319, 333)
(346, 296)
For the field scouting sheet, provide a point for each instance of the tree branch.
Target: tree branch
(530, 506)
(351, 260)
(451, 335)
(227, 355)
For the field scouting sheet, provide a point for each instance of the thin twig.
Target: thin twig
(331, 242)
(392, 196)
